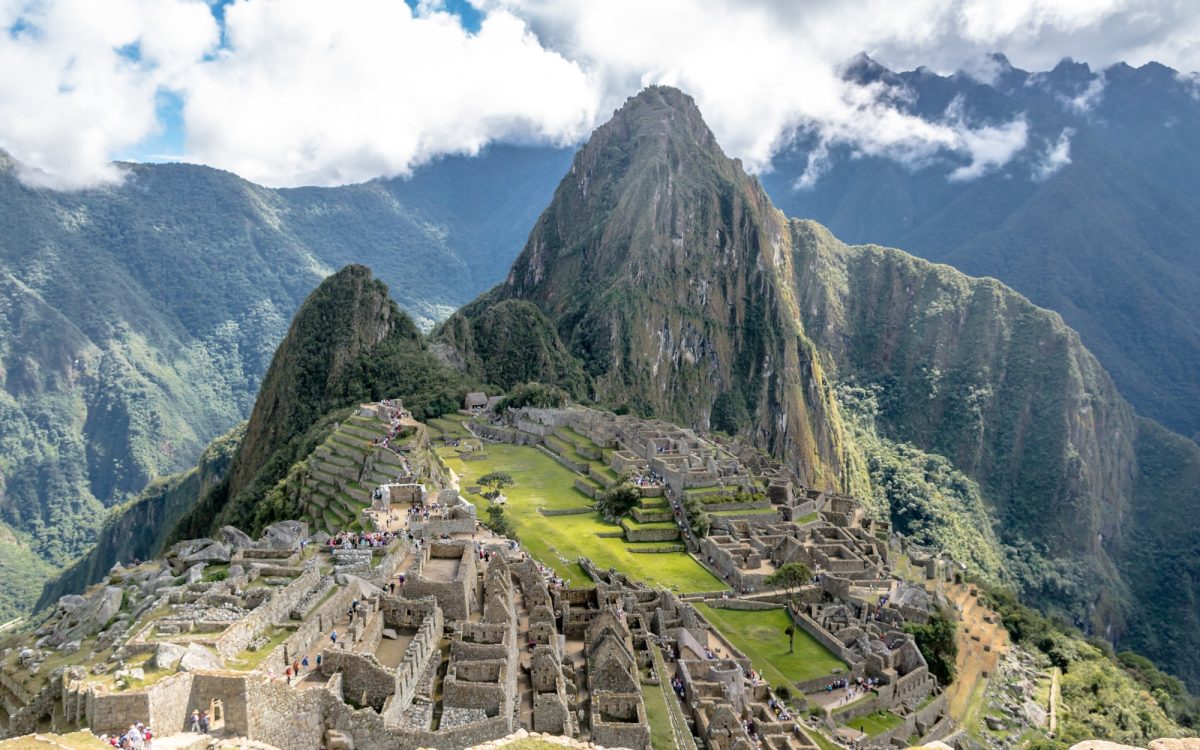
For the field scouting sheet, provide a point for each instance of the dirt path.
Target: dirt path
(1055, 696)
(974, 660)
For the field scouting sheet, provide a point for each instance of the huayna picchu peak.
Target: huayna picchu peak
(694, 474)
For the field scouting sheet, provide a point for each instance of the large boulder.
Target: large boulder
(81, 616)
(167, 656)
(196, 657)
(284, 535)
(213, 553)
(1171, 743)
(235, 537)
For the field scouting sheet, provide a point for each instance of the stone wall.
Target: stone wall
(365, 682)
(278, 608)
(651, 535)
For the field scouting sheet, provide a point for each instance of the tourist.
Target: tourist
(304, 663)
(195, 721)
(287, 673)
(318, 661)
(204, 722)
(333, 637)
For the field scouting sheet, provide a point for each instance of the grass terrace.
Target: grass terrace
(746, 512)
(760, 636)
(558, 541)
(877, 723)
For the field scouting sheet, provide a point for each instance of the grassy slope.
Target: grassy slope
(558, 541)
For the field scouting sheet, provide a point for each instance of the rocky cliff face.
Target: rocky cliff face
(684, 293)
(659, 263)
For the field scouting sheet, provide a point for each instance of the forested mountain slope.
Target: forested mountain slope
(682, 292)
(1094, 218)
(136, 321)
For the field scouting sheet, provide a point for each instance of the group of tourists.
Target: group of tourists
(360, 539)
(677, 686)
(137, 737)
(298, 667)
(394, 416)
(779, 708)
(648, 479)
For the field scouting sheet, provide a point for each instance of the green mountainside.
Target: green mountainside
(685, 294)
(137, 529)
(136, 321)
(349, 343)
(1110, 240)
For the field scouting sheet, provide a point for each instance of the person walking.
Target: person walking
(195, 721)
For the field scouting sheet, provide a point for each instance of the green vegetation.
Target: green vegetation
(1100, 696)
(762, 637)
(790, 577)
(348, 344)
(662, 735)
(877, 723)
(618, 501)
(938, 641)
(558, 541)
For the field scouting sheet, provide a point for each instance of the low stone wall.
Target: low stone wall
(565, 511)
(278, 608)
(582, 485)
(578, 468)
(827, 639)
(365, 681)
(651, 535)
(743, 604)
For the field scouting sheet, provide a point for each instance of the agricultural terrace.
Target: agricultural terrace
(558, 541)
(761, 636)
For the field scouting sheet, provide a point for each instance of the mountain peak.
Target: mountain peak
(654, 115)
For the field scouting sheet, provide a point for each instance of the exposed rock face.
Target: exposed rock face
(661, 264)
(235, 537)
(284, 535)
(168, 655)
(81, 616)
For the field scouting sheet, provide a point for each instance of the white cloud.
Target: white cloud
(311, 92)
(69, 99)
(315, 92)
(1087, 99)
(1056, 156)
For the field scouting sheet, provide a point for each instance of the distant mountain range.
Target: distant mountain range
(137, 321)
(1110, 240)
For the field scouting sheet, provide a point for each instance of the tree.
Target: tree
(493, 482)
(499, 523)
(618, 501)
(938, 641)
(790, 577)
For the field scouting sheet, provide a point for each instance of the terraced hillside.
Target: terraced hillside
(343, 471)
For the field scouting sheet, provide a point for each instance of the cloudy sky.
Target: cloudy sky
(297, 92)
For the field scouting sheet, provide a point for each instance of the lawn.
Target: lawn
(558, 541)
(760, 635)
(877, 723)
(662, 736)
(747, 512)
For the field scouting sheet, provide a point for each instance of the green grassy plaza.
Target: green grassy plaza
(558, 541)
(877, 723)
(760, 636)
